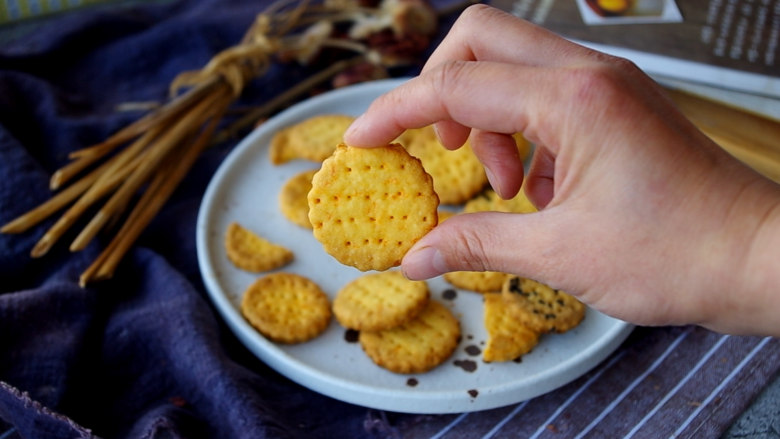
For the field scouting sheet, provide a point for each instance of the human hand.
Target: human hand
(641, 216)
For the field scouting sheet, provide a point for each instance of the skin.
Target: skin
(641, 215)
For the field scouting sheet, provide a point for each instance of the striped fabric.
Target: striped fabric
(12, 10)
(662, 383)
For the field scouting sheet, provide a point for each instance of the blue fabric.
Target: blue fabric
(146, 356)
(143, 355)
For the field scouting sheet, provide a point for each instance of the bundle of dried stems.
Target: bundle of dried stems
(152, 155)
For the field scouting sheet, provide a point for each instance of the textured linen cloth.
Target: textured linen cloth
(146, 356)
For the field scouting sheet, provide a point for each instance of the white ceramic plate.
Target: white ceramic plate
(245, 189)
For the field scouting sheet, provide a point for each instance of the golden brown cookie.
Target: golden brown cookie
(312, 139)
(542, 308)
(489, 201)
(477, 281)
(508, 339)
(445, 214)
(292, 198)
(368, 206)
(523, 146)
(251, 252)
(286, 307)
(379, 301)
(416, 346)
(457, 175)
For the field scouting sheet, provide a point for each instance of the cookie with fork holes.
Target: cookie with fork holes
(286, 307)
(489, 201)
(457, 175)
(252, 252)
(508, 338)
(292, 198)
(418, 345)
(541, 307)
(379, 301)
(477, 281)
(368, 206)
(312, 139)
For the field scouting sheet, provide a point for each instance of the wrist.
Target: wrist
(746, 294)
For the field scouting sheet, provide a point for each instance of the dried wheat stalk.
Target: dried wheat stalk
(151, 156)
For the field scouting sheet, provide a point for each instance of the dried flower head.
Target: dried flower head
(403, 17)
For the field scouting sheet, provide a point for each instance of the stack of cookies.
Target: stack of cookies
(400, 327)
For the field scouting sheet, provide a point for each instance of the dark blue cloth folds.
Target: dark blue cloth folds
(143, 355)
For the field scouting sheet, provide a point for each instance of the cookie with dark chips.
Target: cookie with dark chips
(542, 308)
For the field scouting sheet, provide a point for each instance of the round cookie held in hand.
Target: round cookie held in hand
(368, 206)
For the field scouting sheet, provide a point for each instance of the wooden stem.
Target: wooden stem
(83, 158)
(285, 98)
(111, 175)
(162, 186)
(157, 152)
(42, 211)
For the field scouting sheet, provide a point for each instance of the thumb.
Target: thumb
(484, 241)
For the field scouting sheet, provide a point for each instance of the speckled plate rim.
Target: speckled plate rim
(317, 364)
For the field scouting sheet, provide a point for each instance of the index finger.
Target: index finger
(479, 31)
(449, 90)
(486, 96)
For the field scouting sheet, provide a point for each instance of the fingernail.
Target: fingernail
(424, 263)
(493, 181)
(436, 132)
(352, 129)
